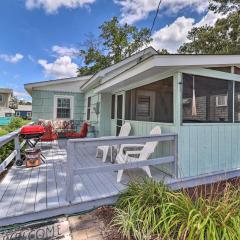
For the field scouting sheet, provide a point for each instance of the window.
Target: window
(88, 108)
(29, 114)
(227, 69)
(152, 102)
(237, 70)
(1, 98)
(207, 99)
(221, 101)
(17, 114)
(143, 106)
(63, 107)
(113, 107)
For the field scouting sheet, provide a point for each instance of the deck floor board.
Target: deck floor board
(28, 191)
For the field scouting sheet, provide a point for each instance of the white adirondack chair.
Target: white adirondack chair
(144, 153)
(124, 132)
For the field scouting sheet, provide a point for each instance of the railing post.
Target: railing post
(17, 148)
(175, 149)
(70, 172)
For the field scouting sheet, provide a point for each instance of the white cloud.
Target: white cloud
(11, 58)
(52, 6)
(172, 36)
(135, 10)
(62, 67)
(20, 94)
(65, 51)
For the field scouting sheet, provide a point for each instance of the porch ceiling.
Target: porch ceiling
(130, 79)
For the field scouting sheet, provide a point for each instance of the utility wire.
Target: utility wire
(150, 32)
(155, 18)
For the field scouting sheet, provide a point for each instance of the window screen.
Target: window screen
(63, 108)
(227, 69)
(89, 108)
(237, 102)
(152, 102)
(113, 107)
(207, 99)
(237, 70)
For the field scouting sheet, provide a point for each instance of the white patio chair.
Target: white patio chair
(124, 132)
(144, 153)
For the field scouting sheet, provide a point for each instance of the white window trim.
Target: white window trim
(71, 106)
(18, 114)
(225, 101)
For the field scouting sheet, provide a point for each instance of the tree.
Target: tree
(114, 43)
(224, 6)
(13, 103)
(222, 38)
(163, 52)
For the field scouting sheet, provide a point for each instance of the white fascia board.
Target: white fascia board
(101, 74)
(197, 60)
(135, 70)
(211, 73)
(28, 87)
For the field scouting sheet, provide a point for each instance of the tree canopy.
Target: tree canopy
(223, 37)
(114, 43)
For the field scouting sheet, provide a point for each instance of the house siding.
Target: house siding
(43, 101)
(208, 148)
(141, 128)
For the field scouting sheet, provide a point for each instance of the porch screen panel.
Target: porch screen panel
(151, 103)
(207, 99)
(237, 102)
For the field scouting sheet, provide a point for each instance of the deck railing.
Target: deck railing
(16, 153)
(103, 141)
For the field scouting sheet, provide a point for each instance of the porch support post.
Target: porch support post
(69, 171)
(178, 117)
(175, 153)
(17, 148)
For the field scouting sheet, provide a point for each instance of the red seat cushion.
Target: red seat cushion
(49, 134)
(82, 134)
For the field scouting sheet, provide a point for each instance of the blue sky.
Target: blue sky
(39, 38)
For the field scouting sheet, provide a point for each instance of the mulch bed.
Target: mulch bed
(213, 189)
(106, 213)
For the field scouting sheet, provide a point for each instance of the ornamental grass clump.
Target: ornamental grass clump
(149, 210)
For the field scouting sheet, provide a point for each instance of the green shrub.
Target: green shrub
(139, 209)
(146, 210)
(12, 126)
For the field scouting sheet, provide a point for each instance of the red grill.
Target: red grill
(30, 132)
(32, 135)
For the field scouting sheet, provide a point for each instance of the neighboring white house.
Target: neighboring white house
(5, 97)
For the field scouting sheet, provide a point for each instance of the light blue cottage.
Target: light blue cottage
(195, 96)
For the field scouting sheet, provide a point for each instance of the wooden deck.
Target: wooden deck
(32, 194)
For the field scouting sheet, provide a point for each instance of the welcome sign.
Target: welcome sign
(54, 230)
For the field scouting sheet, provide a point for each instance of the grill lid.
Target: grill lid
(31, 130)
